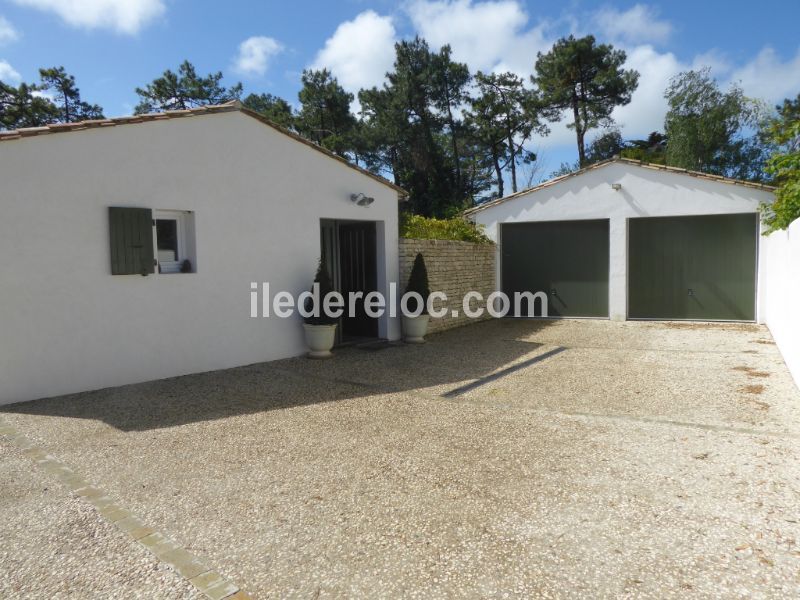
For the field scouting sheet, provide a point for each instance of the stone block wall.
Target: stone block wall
(454, 268)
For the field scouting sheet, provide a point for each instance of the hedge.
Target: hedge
(456, 228)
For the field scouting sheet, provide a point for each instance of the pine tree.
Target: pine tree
(273, 108)
(586, 78)
(67, 96)
(184, 89)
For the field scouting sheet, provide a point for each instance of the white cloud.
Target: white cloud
(767, 77)
(640, 23)
(255, 54)
(488, 36)
(46, 94)
(360, 52)
(122, 16)
(714, 60)
(499, 35)
(7, 32)
(647, 108)
(8, 73)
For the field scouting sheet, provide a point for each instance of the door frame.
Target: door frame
(335, 264)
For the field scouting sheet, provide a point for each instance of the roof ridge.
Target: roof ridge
(232, 106)
(13, 134)
(623, 160)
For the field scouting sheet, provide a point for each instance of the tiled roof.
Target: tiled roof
(627, 161)
(234, 106)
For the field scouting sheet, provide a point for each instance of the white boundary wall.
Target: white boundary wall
(780, 298)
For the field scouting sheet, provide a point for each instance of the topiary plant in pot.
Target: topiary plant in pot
(415, 328)
(320, 329)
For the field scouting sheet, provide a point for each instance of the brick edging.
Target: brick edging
(206, 580)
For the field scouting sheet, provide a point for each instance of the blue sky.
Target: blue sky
(111, 46)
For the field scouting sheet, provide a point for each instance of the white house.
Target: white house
(621, 239)
(204, 202)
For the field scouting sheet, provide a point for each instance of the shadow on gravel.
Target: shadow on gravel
(452, 359)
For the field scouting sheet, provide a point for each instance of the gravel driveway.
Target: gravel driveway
(504, 459)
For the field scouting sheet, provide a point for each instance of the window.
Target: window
(174, 241)
(167, 240)
(144, 241)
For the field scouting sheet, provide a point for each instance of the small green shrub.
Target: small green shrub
(325, 286)
(428, 228)
(418, 282)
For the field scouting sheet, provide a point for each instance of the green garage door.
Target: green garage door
(693, 267)
(568, 260)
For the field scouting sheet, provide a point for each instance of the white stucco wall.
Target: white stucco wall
(645, 193)
(68, 325)
(780, 296)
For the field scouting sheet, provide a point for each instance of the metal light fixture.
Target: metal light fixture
(361, 199)
(616, 186)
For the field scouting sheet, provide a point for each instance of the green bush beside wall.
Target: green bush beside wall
(456, 228)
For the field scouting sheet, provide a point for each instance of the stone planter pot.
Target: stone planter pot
(415, 328)
(319, 339)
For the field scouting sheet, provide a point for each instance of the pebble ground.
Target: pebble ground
(653, 460)
(54, 545)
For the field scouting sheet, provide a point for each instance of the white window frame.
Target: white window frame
(180, 217)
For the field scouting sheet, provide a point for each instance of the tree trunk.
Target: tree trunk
(454, 141)
(513, 150)
(579, 133)
(499, 170)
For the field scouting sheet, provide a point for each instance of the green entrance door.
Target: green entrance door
(700, 268)
(568, 260)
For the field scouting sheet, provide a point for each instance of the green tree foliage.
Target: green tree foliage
(21, 107)
(503, 118)
(605, 146)
(650, 150)
(184, 89)
(428, 228)
(67, 97)
(611, 144)
(565, 168)
(324, 115)
(271, 107)
(710, 130)
(450, 81)
(586, 78)
(784, 166)
(411, 129)
(56, 99)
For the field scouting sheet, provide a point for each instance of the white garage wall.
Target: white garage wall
(645, 192)
(780, 297)
(68, 325)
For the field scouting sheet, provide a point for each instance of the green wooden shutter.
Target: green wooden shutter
(131, 241)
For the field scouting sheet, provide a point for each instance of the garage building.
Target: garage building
(628, 240)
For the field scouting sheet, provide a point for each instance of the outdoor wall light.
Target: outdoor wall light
(362, 199)
(616, 186)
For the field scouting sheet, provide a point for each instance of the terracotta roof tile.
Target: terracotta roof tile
(57, 128)
(628, 161)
